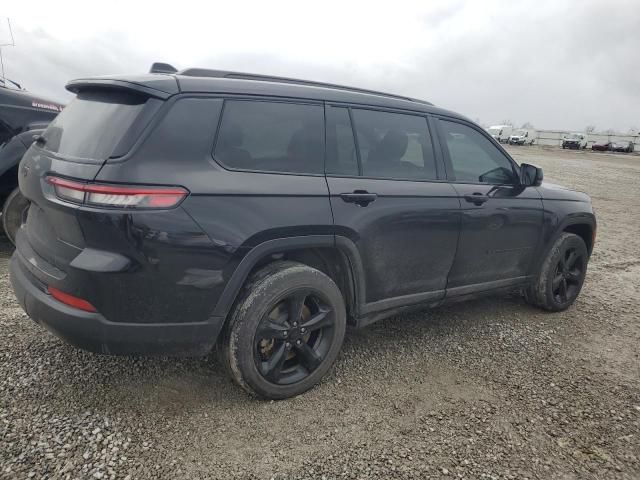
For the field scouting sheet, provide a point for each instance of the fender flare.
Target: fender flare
(11, 154)
(575, 219)
(277, 245)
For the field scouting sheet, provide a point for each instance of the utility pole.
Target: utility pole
(8, 42)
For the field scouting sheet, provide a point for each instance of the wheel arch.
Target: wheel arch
(584, 230)
(337, 257)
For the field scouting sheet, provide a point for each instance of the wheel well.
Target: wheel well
(330, 261)
(584, 231)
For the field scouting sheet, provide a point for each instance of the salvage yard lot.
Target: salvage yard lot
(489, 388)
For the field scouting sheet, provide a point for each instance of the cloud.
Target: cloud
(556, 64)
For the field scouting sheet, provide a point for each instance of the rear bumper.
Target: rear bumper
(92, 332)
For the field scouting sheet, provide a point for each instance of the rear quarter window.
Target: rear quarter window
(271, 137)
(93, 124)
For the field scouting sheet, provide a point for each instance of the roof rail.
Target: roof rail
(205, 72)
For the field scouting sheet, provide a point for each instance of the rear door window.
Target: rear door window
(93, 124)
(394, 145)
(271, 137)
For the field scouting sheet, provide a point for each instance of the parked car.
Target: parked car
(264, 214)
(22, 115)
(500, 132)
(14, 205)
(523, 136)
(575, 141)
(626, 147)
(602, 146)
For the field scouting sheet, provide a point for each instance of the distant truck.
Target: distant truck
(22, 116)
(575, 140)
(500, 132)
(523, 136)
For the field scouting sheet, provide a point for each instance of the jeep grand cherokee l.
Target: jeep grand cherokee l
(173, 212)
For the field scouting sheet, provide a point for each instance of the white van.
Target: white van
(500, 132)
(523, 136)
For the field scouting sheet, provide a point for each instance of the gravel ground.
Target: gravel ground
(487, 389)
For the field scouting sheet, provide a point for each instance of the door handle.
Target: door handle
(477, 198)
(361, 198)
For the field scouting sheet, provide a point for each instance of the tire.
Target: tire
(265, 350)
(13, 213)
(561, 276)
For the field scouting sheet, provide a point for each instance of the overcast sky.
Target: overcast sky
(556, 64)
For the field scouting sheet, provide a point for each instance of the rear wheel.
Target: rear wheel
(13, 214)
(285, 332)
(562, 274)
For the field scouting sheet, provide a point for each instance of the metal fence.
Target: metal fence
(554, 138)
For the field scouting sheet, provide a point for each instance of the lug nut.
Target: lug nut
(299, 342)
(287, 345)
(285, 333)
(303, 329)
(295, 324)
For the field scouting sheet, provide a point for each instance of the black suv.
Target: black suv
(170, 212)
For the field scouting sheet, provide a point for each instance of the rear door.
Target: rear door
(501, 220)
(388, 199)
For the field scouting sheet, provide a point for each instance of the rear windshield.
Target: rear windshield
(91, 126)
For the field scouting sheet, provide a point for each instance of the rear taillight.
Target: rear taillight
(70, 300)
(116, 196)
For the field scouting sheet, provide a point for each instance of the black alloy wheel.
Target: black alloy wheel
(561, 276)
(285, 332)
(293, 339)
(569, 275)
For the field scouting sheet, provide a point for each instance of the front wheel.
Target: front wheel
(13, 214)
(285, 331)
(561, 276)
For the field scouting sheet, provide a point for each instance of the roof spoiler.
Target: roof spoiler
(159, 67)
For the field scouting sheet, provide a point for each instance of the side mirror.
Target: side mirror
(530, 175)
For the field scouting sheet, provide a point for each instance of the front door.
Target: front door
(389, 200)
(501, 222)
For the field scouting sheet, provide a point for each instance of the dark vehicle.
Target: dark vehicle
(625, 147)
(602, 146)
(171, 212)
(22, 115)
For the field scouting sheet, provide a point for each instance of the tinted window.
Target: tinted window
(342, 158)
(91, 126)
(473, 157)
(394, 145)
(271, 136)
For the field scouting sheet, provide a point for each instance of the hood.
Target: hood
(553, 191)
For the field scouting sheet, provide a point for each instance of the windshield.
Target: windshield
(574, 136)
(494, 131)
(91, 126)
(519, 133)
